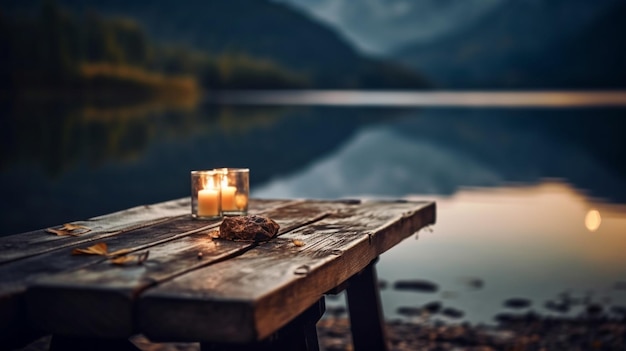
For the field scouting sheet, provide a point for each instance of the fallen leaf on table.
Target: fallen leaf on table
(59, 232)
(69, 229)
(97, 249)
(123, 260)
(72, 226)
(119, 257)
(119, 252)
(298, 242)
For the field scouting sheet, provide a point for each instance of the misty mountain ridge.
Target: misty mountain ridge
(485, 44)
(529, 44)
(381, 26)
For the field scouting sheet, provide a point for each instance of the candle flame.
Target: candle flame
(208, 183)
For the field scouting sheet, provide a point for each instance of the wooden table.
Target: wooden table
(192, 287)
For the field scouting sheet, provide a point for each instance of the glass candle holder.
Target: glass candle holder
(235, 190)
(206, 197)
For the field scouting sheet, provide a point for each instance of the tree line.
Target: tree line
(55, 50)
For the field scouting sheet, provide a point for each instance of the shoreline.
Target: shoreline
(519, 332)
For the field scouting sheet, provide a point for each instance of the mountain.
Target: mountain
(258, 28)
(524, 44)
(380, 26)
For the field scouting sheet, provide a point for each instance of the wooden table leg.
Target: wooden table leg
(366, 315)
(298, 335)
(63, 343)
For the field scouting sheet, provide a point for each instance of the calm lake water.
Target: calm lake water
(531, 193)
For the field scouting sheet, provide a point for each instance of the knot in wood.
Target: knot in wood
(248, 228)
(302, 270)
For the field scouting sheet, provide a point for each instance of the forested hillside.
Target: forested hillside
(220, 44)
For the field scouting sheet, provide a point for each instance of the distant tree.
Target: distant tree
(56, 49)
(239, 70)
(131, 41)
(101, 43)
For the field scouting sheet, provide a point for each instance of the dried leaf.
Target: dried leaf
(136, 259)
(69, 229)
(298, 242)
(97, 249)
(122, 260)
(118, 257)
(71, 226)
(59, 232)
(119, 252)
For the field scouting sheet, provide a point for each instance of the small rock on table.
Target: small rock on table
(248, 228)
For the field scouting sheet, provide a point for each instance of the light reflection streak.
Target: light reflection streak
(482, 99)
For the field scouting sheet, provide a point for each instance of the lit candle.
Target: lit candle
(235, 189)
(208, 201)
(228, 196)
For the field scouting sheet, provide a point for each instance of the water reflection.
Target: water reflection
(426, 98)
(53, 136)
(524, 241)
(379, 162)
(57, 135)
(439, 151)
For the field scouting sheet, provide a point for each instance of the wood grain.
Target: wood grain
(248, 297)
(98, 300)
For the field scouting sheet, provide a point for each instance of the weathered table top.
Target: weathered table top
(192, 287)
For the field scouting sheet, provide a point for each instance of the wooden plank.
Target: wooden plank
(249, 297)
(16, 275)
(18, 246)
(98, 300)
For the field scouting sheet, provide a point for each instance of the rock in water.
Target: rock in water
(248, 228)
(517, 302)
(416, 285)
